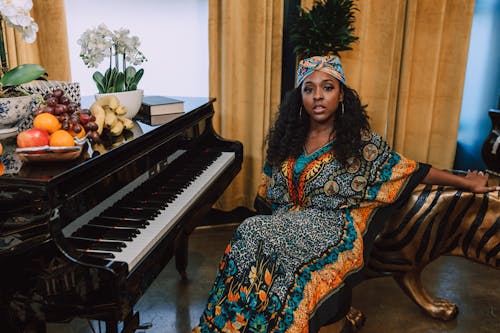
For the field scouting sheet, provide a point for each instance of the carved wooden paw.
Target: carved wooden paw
(356, 319)
(441, 309)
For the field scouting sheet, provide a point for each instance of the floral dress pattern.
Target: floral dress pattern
(279, 268)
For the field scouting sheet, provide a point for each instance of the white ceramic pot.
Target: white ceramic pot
(13, 109)
(132, 100)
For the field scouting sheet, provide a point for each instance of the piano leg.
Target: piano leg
(182, 239)
(130, 324)
(181, 253)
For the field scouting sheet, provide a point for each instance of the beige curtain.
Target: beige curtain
(409, 67)
(432, 78)
(50, 49)
(245, 76)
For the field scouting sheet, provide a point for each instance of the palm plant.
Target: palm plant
(325, 29)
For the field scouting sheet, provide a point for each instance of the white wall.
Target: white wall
(173, 35)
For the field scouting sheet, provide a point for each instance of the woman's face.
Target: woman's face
(321, 94)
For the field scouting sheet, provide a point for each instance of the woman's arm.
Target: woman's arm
(474, 181)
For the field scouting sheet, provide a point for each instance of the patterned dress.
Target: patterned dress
(279, 269)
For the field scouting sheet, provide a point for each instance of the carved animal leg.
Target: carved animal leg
(438, 308)
(356, 319)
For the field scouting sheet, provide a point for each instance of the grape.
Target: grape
(65, 125)
(69, 114)
(74, 120)
(92, 126)
(64, 100)
(60, 109)
(57, 93)
(47, 96)
(84, 118)
(94, 136)
(48, 109)
(77, 128)
(51, 101)
(72, 107)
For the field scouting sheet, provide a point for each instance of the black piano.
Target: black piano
(86, 237)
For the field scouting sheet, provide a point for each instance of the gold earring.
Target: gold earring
(300, 112)
(342, 108)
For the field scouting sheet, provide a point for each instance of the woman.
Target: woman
(327, 178)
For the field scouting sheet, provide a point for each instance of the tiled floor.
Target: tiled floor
(173, 306)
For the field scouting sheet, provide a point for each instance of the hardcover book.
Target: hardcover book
(157, 119)
(159, 105)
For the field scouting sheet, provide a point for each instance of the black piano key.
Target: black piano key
(87, 244)
(98, 232)
(119, 222)
(130, 213)
(148, 203)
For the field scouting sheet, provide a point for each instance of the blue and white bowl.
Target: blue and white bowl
(14, 109)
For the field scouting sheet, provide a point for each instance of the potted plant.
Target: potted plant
(15, 102)
(121, 77)
(325, 29)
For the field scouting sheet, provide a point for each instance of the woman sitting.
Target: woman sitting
(326, 175)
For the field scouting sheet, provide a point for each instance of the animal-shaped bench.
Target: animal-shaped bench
(435, 221)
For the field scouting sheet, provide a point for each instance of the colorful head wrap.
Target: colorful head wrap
(328, 64)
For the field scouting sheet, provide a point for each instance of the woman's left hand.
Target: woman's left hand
(477, 182)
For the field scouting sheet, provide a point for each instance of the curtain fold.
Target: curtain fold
(245, 40)
(432, 78)
(409, 67)
(50, 49)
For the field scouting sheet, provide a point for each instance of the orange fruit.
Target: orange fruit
(47, 121)
(61, 138)
(78, 135)
(2, 168)
(1, 148)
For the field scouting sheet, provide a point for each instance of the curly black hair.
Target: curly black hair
(288, 135)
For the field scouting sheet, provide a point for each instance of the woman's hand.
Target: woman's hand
(474, 181)
(478, 182)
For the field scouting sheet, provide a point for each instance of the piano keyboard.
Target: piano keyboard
(128, 226)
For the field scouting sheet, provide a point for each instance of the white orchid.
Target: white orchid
(16, 14)
(100, 43)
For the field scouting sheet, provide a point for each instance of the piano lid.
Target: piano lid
(138, 139)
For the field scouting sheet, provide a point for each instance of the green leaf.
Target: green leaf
(132, 78)
(22, 74)
(107, 80)
(130, 73)
(138, 75)
(99, 81)
(119, 84)
(327, 27)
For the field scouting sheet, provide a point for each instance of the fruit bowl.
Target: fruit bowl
(51, 153)
(48, 154)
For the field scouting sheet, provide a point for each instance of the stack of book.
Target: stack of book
(156, 110)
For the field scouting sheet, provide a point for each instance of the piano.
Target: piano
(86, 237)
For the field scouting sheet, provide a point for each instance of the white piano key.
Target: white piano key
(146, 241)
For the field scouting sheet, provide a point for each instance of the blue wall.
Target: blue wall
(482, 85)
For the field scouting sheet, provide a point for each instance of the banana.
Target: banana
(121, 110)
(99, 147)
(111, 119)
(99, 114)
(117, 128)
(110, 100)
(108, 113)
(117, 141)
(127, 123)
